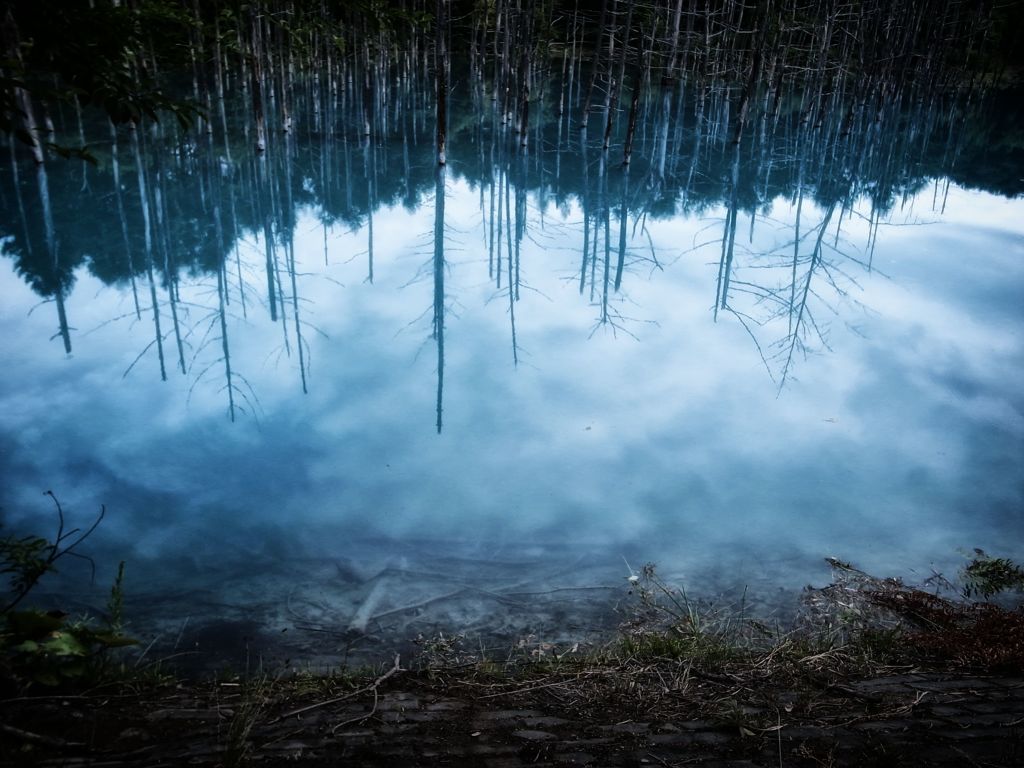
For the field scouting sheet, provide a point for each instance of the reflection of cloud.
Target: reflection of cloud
(896, 446)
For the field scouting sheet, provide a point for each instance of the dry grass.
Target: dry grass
(675, 660)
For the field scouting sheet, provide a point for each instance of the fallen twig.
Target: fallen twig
(359, 718)
(371, 687)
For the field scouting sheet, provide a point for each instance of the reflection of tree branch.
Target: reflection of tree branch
(743, 321)
(797, 327)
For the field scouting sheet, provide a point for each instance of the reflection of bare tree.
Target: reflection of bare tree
(301, 345)
(240, 394)
(50, 237)
(793, 284)
(370, 171)
(733, 124)
(801, 315)
(147, 229)
(115, 168)
(170, 270)
(439, 269)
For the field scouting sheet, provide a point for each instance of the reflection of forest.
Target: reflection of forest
(162, 202)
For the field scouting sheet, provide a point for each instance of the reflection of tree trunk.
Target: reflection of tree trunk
(729, 235)
(634, 105)
(501, 213)
(439, 267)
(116, 172)
(520, 214)
(441, 75)
(229, 386)
(277, 216)
(616, 86)
(237, 250)
(170, 271)
(49, 233)
(802, 311)
(491, 184)
(22, 99)
(796, 241)
(370, 169)
(15, 177)
(222, 289)
(498, 58)
(147, 228)
(670, 70)
(218, 73)
(28, 122)
(300, 343)
(585, 201)
(513, 262)
(525, 65)
(54, 260)
(285, 80)
(513, 289)
(257, 84)
(698, 131)
(367, 95)
(81, 143)
(752, 81)
(268, 239)
(605, 210)
(508, 228)
(623, 220)
(62, 319)
(595, 66)
(290, 258)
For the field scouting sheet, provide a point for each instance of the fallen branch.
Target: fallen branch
(359, 718)
(371, 687)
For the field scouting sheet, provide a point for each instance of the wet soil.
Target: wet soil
(586, 716)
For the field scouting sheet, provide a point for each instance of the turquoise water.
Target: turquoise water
(730, 361)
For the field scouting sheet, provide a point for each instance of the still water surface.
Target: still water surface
(728, 361)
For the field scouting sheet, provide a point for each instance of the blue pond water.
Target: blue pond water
(731, 362)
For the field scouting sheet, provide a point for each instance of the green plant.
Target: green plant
(986, 576)
(668, 624)
(442, 651)
(254, 697)
(49, 647)
(26, 560)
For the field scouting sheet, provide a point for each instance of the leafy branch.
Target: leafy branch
(26, 560)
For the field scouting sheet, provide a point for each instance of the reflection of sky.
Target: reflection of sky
(901, 444)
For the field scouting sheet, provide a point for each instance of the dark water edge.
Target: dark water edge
(327, 615)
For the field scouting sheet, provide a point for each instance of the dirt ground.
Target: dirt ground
(877, 674)
(583, 715)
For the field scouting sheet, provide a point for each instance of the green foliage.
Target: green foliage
(255, 696)
(705, 649)
(48, 647)
(24, 561)
(103, 55)
(669, 625)
(27, 559)
(115, 605)
(986, 576)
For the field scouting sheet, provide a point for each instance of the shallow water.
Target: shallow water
(728, 361)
